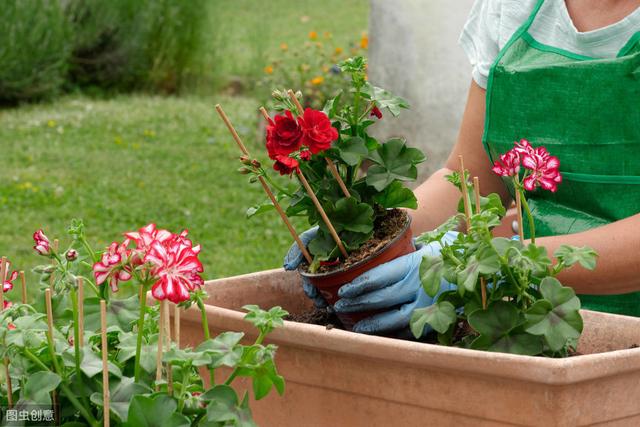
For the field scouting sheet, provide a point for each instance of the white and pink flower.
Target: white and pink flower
(42, 246)
(113, 265)
(544, 168)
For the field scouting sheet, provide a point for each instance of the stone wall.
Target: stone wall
(414, 53)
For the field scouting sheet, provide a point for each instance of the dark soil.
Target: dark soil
(316, 316)
(386, 228)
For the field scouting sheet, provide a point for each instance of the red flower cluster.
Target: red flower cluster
(7, 283)
(544, 168)
(286, 135)
(42, 245)
(169, 259)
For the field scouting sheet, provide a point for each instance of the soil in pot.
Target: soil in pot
(317, 316)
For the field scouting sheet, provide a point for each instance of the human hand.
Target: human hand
(292, 260)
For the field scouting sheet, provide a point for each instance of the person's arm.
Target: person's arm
(437, 198)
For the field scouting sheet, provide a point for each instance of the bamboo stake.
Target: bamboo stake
(80, 283)
(483, 283)
(266, 188)
(160, 342)
(105, 365)
(332, 166)
(3, 276)
(176, 325)
(322, 213)
(23, 282)
(47, 299)
(167, 336)
(465, 194)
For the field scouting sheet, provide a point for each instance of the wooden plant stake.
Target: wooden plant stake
(167, 337)
(3, 275)
(23, 282)
(160, 342)
(332, 166)
(176, 325)
(483, 284)
(80, 283)
(465, 194)
(47, 299)
(315, 200)
(105, 364)
(266, 188)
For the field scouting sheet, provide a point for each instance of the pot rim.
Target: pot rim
(361, 262)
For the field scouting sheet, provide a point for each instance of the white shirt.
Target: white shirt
(491, 24)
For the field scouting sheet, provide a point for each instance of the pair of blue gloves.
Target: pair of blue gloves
(394, 285)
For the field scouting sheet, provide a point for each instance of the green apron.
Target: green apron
(585, 111)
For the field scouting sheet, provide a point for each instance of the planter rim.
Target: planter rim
(362, 261)
(498, 365)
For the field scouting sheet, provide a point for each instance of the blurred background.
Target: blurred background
(106, 108)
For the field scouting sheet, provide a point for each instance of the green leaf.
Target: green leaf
(439, 316)
(483, 262)
(522, 343)
(431, 272)
(121, 393)
(266, 206)
(225, 349)
(331, 106)
(223, 407)
(385, 99)
(121, 312)
(394, 160)
(322, 245)
(436, 235)
(39, 385)
(492, 202)
(353, 150)
(533, 258)
(570, 255)
(177, 356)
(396, 195)
(127, 350)
(155, 411)
(265, 321)
(557, 316)
(351, 215)
(91, 364)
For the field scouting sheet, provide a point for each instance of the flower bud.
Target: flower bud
(245, 160)
(253, 179)
(256, 164)
(71, 255)
(244, 171)
(277, 95)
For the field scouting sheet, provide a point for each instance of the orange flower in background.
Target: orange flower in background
(327, 35)
(318, 80)
(339, 50)
(364, 41)
(313, 35)
(268, 69)
(284, 46)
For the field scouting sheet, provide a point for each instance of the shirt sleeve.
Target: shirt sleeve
(480, 38)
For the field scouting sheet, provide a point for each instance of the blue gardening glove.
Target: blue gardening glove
(293, 259)
(393, 284)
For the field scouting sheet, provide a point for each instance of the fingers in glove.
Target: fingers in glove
(313, 294)
(401, 292)
(294, 256)
(381, 276)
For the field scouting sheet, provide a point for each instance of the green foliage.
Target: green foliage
(526, 310)
(35, 42)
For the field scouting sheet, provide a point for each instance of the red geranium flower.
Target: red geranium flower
(284, 135)
(7, 283)
(544, 170)
(176, 267)
(286, 165)
(11, 326)
(508, 164)
(112, 266)
(305, 155)
(318, 134)
(375, 111)
(522, 147)
(42, 245)
(143, 238)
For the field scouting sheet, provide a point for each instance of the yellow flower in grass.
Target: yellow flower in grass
(268, 69)
(313, 35)
(284, 46)
(339, 50)
(325, 69)
(327, 35)
(51, 123)
(317, 81)
(364, 41)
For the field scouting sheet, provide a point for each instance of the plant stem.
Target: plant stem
(143, 306)
(183, 388)
(76, 343)
(207, 336)
(234, 374)
(525, 205)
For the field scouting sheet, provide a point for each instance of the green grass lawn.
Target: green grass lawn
(121, 163)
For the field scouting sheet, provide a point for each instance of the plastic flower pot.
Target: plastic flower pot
(329, 284)
(335, 377)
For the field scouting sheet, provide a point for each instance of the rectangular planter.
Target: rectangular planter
(339, 378)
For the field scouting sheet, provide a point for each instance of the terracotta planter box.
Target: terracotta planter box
(339, 378)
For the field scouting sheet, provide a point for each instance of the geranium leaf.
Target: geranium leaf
(39, 385)
(436, 235)
(223, 407)
(557, 316)
(353, 150)
(394, 160)
(396, 195)
(385, 99)
(431, 272)
(350, 215)
(498, 320)
(121, 393)
(570, 255)
(483, 262)
(91, 364)
(155, 411)
(439, 316)
(121, 312)
(525, 344)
